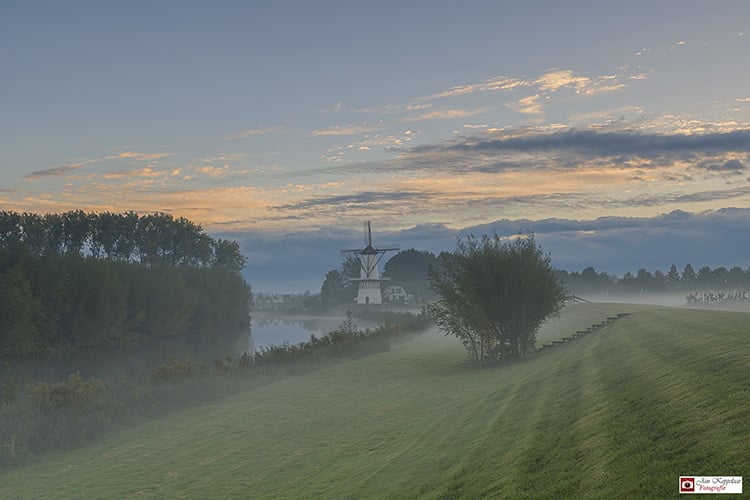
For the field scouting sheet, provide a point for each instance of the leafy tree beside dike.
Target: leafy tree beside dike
(494, 295)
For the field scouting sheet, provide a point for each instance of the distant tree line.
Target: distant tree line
(77, 280)
(589, 281)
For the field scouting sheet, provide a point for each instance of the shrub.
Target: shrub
(67, 413)
(74, 394)
(173, 371)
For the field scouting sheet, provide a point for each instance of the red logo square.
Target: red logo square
(687, 485)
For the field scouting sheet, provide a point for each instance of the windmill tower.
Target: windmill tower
(369, 275)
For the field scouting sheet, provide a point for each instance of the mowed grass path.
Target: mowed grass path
(620, 413)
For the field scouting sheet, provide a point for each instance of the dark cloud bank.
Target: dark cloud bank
(298, 261)
(595, 143)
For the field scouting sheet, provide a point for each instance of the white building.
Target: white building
(370, 282)
(397, 293)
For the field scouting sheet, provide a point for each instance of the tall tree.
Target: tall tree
(76, 230)
(494, 295)
(673, 280)
(333, 291)
(689, 278)
(350, 267)
(411, 268)
(127, 242)
(226, 254)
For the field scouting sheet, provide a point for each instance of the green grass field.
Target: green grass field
(620, 413)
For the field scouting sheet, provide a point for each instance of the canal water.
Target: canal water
(269, 329)
(112, 364)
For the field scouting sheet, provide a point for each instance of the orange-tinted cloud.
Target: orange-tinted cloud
(254, 133)
(134, 155)
(347, 130)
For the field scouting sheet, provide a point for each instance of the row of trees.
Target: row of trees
(152, 239)
(720, 278)
(71, 280)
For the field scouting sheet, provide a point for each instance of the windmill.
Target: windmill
(369, 275)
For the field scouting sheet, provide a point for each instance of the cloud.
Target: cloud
(676, 44)
(734, 166)
(209, 206)
(591, 142)
(65, 170)
(346, 130)
(600, 87)
(536, 171)
(620, 244)
(680, 198)
(397, 108)
(443, 114)
(213, 171)
(609, 116)
(337, 153)
(496, 84)
(371, 199)
(254, 132)
(551, 81)
(555, 80)
(52, 172)
(408, 107)
(529, 105)
(146, 172)
(134, 155)
(588, 155)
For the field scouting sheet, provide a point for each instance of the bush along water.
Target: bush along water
(73, 412)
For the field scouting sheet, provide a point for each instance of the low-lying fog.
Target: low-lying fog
(111, 364)
(667, 300)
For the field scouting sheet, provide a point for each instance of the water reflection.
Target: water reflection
(270, 329)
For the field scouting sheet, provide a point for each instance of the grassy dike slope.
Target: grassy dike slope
(620, 413)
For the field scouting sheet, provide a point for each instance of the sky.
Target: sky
(289, 123)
